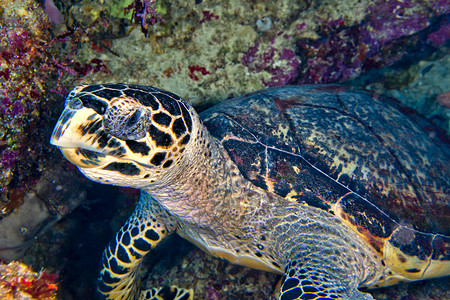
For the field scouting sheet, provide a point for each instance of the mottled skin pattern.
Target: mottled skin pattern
(148, 225)
(311, 182)
(164, 293)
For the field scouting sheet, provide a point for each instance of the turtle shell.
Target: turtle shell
(364, 158)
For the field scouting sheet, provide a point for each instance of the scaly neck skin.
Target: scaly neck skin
(205, 185)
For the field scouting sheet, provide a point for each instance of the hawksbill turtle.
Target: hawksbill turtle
(334, 189)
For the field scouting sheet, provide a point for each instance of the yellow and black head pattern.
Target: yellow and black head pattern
(123, 134)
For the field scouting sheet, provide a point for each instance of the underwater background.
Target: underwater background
(57, 223)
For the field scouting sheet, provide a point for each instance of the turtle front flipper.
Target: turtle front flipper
(148, 225)
(168, 293)
(311, 280)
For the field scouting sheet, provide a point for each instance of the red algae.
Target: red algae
(18, 281)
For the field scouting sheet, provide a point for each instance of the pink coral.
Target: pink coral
(258, 60)
(53, 12)
(444, 99)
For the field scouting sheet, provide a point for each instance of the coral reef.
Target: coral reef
(146, 13)
(423, 85)
(202, 50)
(282, 63)
(19, 282)
(427, 88)
(36, 69)
(208, 51)
(390, 31)
(24, 30)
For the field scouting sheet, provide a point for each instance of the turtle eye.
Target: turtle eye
(129, 126)
(134, 118)
(134, 127)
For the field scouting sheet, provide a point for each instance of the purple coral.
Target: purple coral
(250, 55)
(391, 29)
(145, 14)
(12, 111)
(212, 294)
(52, 12)
(8, 158)
(258, 60)
(440, 36)
(5, 102)
(394, 19)
(11, 117)
(440, 7)
(282, 76)
(208, 16)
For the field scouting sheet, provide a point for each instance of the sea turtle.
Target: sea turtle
(334, 188)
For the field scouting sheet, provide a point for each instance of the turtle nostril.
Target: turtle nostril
(74, 103)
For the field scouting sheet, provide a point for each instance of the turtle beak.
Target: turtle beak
(74, 134)
(69, 130)
(85, 159)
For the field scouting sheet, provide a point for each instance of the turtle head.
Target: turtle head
(126, 135)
